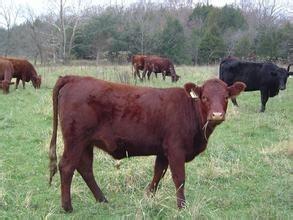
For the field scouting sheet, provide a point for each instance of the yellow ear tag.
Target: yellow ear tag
(193, 94)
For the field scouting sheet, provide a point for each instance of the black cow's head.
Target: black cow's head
(282, 75)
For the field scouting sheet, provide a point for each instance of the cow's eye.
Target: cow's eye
(226, 98)
(204, 98)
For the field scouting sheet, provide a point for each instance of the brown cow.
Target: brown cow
(127, 121)
(137, 64)
(158, 64)
(6, 71)
(24, 71)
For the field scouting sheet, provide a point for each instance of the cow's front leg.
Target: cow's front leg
(23, 81)
(17, 82)
(164, 75)
(264, 98)
(177, 165)
(143, 74)
(161, 166)
(149, 74)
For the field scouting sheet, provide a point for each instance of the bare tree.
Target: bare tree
(32, 22)
(69, 17)
(9, 13)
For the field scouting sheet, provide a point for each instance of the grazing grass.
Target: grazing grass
(246, 171)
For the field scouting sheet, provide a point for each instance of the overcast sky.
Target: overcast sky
(38, 4)
(41, 4)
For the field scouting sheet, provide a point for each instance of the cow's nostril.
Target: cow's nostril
(217, 114)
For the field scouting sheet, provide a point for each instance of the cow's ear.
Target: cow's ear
(236, 89)
(192, 90)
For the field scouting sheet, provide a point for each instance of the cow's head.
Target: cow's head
(5, 86)
(282, 75)
(174, 76)
(213, 96)
(37, 80)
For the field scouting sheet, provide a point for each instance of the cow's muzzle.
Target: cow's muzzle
(282, 87)
(217, 117)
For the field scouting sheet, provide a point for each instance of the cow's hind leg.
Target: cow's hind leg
(67, 165)
(85, 168)
(161, 166)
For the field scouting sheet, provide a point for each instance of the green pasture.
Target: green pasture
(245, 173)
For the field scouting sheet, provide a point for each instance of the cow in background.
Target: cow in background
(24, 71)
(172, 123)
(6, 71)
(266, 77)
(137, 64)
(158, 64)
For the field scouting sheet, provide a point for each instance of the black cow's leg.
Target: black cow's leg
(177, 166)
(234, 102)
(68, 163)
(161, 166)
(85, 168)
(264, 98)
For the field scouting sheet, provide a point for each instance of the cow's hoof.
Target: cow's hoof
(182, 205)
(67, 208)
(150, 193)
(103, 199)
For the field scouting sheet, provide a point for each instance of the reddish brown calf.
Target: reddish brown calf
(127, 121)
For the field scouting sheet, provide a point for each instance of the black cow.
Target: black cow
(266, 77)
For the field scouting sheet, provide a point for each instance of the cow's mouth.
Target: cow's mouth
(282, 87)
(216, 121)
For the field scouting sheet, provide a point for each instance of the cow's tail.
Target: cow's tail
(52, 151)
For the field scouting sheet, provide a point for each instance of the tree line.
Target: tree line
(184, 31)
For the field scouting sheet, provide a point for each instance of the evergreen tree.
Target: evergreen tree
(172, 41)
(243, 47)
(211, 47)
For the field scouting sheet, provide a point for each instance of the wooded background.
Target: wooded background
(186, 31)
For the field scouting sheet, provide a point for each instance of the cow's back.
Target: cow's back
(232, 70)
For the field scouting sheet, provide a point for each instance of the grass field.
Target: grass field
(246, 171)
